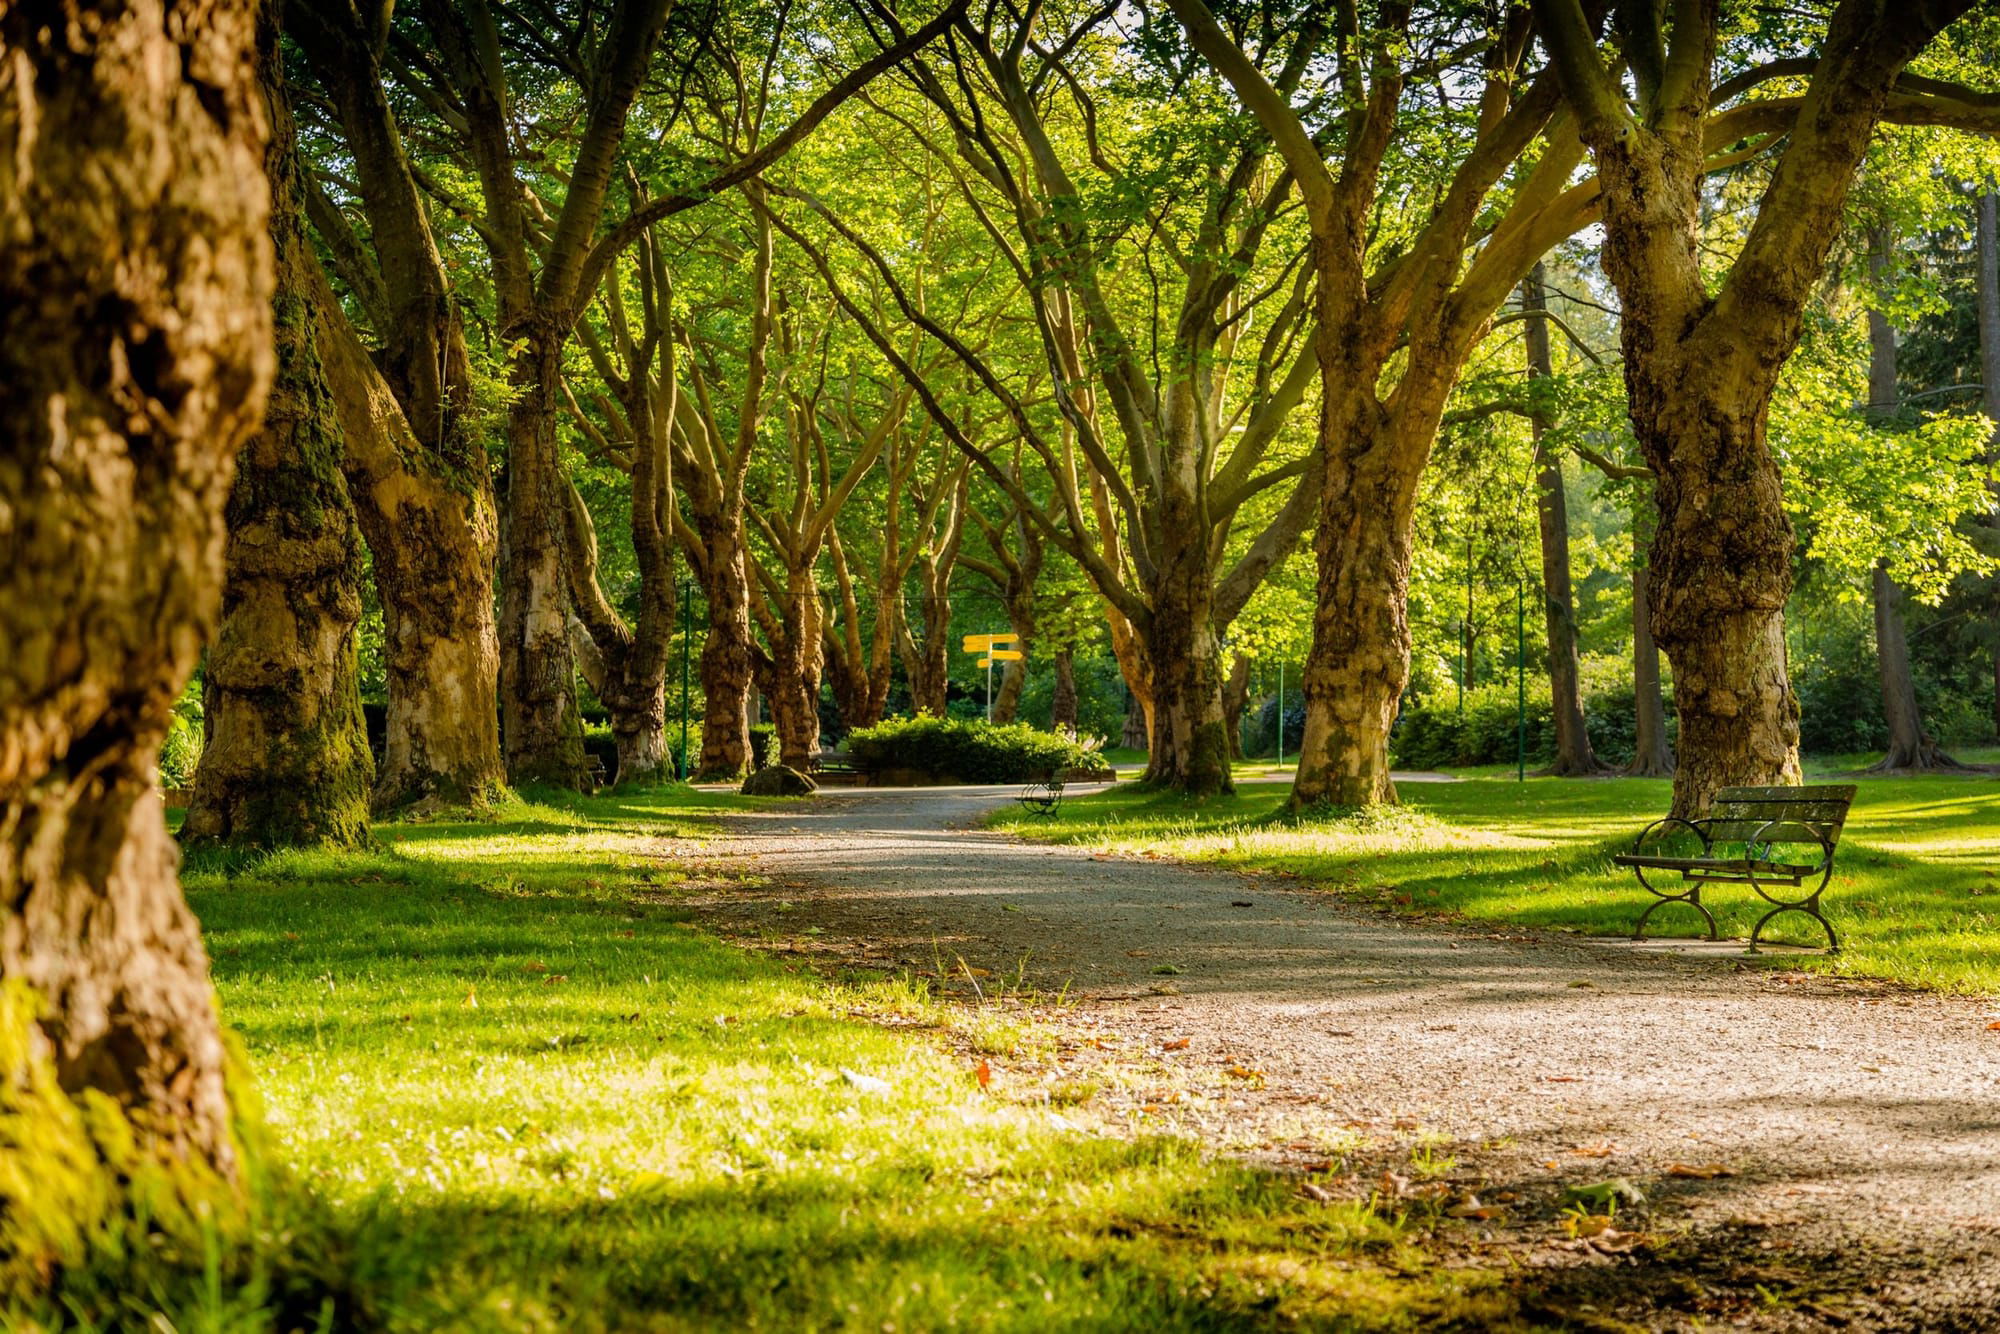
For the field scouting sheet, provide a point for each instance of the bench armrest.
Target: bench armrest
(1700, 828)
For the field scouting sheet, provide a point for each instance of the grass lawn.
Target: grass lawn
(1915, 893)
(508, 1086)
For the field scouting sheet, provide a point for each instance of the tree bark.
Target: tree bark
(1360, 656)
(1189, 748)
(727, 650)
(1574, 757)
(1988, 229)
(135, 355)
(418, 479)
(539, 726)
(1702, 361)
(1062, 704)
(286, 761)
(1235, 694)
(1652, 755)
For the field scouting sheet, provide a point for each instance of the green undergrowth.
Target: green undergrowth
(1915, 894)
(510, 1085)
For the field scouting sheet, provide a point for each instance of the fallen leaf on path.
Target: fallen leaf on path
(1392, 1185)
(1594, 1150)
(1559, 1079)
(1166, 970)
(1243, 1072)
(983, 1073)
(1699, 1171)
(1994, 1027)
(1585, 982)
(1178, 1044)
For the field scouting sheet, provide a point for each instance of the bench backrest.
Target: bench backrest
(1801, 812)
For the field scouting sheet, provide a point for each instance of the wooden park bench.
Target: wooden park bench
(1042, 796)
(1741, 841)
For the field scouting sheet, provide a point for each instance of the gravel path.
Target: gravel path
(1858, 1124)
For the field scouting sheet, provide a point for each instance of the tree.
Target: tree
(416, 468)
(1701, 364)
(135, 354)
(1574, 757)
(287, 763)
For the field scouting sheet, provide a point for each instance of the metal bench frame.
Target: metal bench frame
(1043, 796)
(1761, 819)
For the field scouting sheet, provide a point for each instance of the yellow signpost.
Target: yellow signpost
(989, 645)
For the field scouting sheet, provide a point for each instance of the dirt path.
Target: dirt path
(1859, 1125)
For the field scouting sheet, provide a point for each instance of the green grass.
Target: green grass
(509, 1085)
(1915, 893)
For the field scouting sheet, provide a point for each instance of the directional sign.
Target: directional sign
(1007, 655)
(983, 662)
(980, 643)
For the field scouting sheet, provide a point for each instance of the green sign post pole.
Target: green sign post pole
(1520, 681)
(687, 623)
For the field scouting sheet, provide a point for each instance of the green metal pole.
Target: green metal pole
(687, 633)
(1281, 713)
(1520, 682)
(1465, 630)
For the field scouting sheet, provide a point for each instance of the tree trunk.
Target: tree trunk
(1652, 756)
(726, 652)
(539, 726)
(1013, 680)
(795, 669)
(1134, 736)
(1190, 736)
(135, 355)
(1574, 757)
(432, 532)
(1910, 746)
(419, 481)
(1235, 693)
(286, 763)
(1360, 657)
(1062, 704)
(1988, 229)
(927, 662)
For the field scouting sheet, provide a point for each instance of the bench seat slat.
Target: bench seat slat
(1728, 865)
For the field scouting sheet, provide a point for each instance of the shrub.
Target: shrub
(974, 751)
(1433, 733)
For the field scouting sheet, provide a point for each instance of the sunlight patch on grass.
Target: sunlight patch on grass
(1915, 894)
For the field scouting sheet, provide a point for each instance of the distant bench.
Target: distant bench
(1755, 822)
(1043, 796)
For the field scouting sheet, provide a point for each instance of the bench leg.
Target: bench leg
(1692, 898)
(1808, 906)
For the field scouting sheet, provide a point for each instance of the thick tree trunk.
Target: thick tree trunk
(1062, 704)
(1652, 754)
(432, 532)
(1360, 658)
(419, 481)
(726, 652)
(286, 763)
(539, 726)
(1189, 748)
(1021, 619)
(795, 669)
(1988, 245)
(1574, 756)
(927, 661)
(135, 355)
(1135, 737)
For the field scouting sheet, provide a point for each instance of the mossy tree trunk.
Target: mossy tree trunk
(135, 355)
(286, 761)
(418, 478)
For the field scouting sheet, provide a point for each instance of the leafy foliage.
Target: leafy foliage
(974, 752)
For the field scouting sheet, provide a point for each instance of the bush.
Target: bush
(973, 751)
